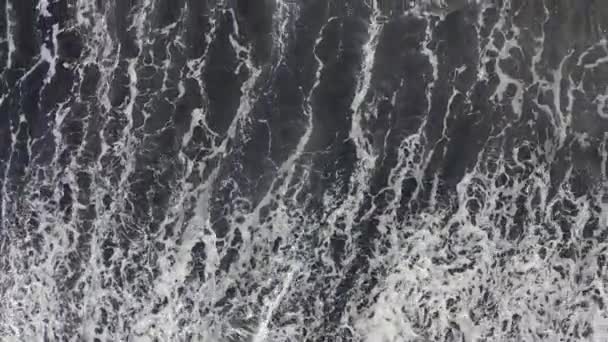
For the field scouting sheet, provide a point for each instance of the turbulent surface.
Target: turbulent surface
(303, 170)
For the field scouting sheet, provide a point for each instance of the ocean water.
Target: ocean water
(303, 170)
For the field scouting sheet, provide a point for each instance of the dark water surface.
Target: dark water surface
(303, 170)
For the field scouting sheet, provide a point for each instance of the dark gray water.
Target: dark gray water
(303, 170)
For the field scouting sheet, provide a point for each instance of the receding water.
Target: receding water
(304, 170)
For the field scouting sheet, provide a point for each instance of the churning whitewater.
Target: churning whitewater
(303, 170)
